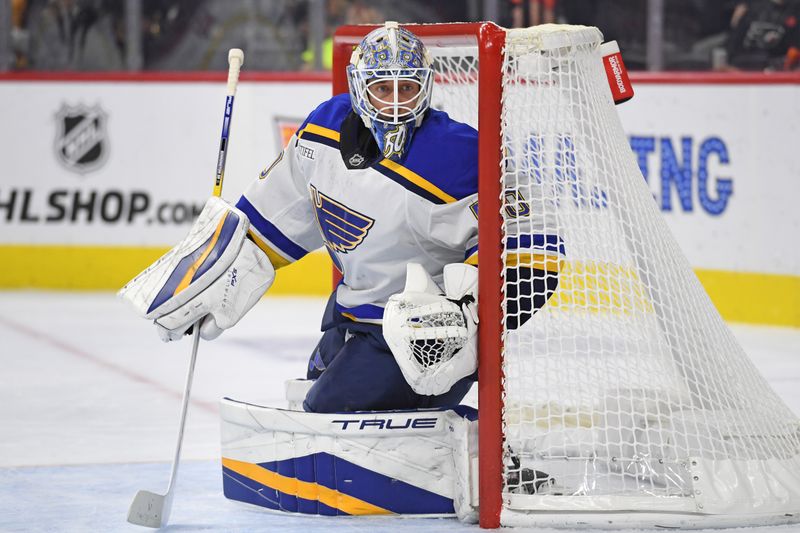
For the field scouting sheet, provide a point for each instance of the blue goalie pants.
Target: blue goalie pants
(355, 371)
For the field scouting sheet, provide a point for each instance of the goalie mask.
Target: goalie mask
(390, 80)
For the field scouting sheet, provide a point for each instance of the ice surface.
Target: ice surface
(90, 398)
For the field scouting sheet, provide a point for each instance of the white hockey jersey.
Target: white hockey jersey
(372, 214)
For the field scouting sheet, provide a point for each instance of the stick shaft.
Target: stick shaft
(148, 508)
(235, 59)
(187, 392)
(223, 146)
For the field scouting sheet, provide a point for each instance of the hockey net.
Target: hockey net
(626, 400)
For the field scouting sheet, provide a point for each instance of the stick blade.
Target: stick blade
(148, 509)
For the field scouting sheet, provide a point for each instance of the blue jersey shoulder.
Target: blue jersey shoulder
(331, 113)
(445, 153)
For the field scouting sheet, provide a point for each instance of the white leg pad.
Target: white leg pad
(465, 457)
(366, 463)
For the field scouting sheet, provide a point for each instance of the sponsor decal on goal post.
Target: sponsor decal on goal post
(617, 74)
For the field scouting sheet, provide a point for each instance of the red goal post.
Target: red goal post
(491, 39)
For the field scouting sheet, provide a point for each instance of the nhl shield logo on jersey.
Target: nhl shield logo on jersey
(81, 142)
(342, 228)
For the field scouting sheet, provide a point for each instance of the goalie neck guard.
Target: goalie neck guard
(395, 55)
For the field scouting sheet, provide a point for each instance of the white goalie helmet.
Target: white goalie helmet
(391, 110)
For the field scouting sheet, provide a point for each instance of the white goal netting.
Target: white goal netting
(625, 391)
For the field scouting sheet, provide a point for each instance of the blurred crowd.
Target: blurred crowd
(90, 35)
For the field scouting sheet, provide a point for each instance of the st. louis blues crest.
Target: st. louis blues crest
(81, 142)
(342, 228)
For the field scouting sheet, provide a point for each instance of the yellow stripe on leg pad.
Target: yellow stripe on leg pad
(303, 489)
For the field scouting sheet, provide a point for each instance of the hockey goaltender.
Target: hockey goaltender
(389, 186)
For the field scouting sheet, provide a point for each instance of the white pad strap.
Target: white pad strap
(296, 391)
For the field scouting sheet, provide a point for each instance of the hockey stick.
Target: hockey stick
(148, 508)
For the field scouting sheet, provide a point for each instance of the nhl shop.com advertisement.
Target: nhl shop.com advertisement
(127, 164)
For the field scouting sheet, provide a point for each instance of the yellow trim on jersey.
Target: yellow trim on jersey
(418, 180)
(410, 175)
(320, 130)
(539, 261)
(304, 489)
(275, 258)
(525, 260)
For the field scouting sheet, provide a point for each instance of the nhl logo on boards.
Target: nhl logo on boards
(356, 160)
(81, 142)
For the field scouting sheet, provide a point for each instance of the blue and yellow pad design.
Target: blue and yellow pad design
(198, 262)
(335, 464)
(324, 484)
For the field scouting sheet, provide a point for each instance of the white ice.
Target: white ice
(89, 402)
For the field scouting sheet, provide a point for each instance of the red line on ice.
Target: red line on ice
(77, 352)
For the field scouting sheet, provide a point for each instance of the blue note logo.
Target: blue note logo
(342, 228)
(515, 204)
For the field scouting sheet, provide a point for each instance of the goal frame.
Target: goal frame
(491, 40)
(723, 474)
